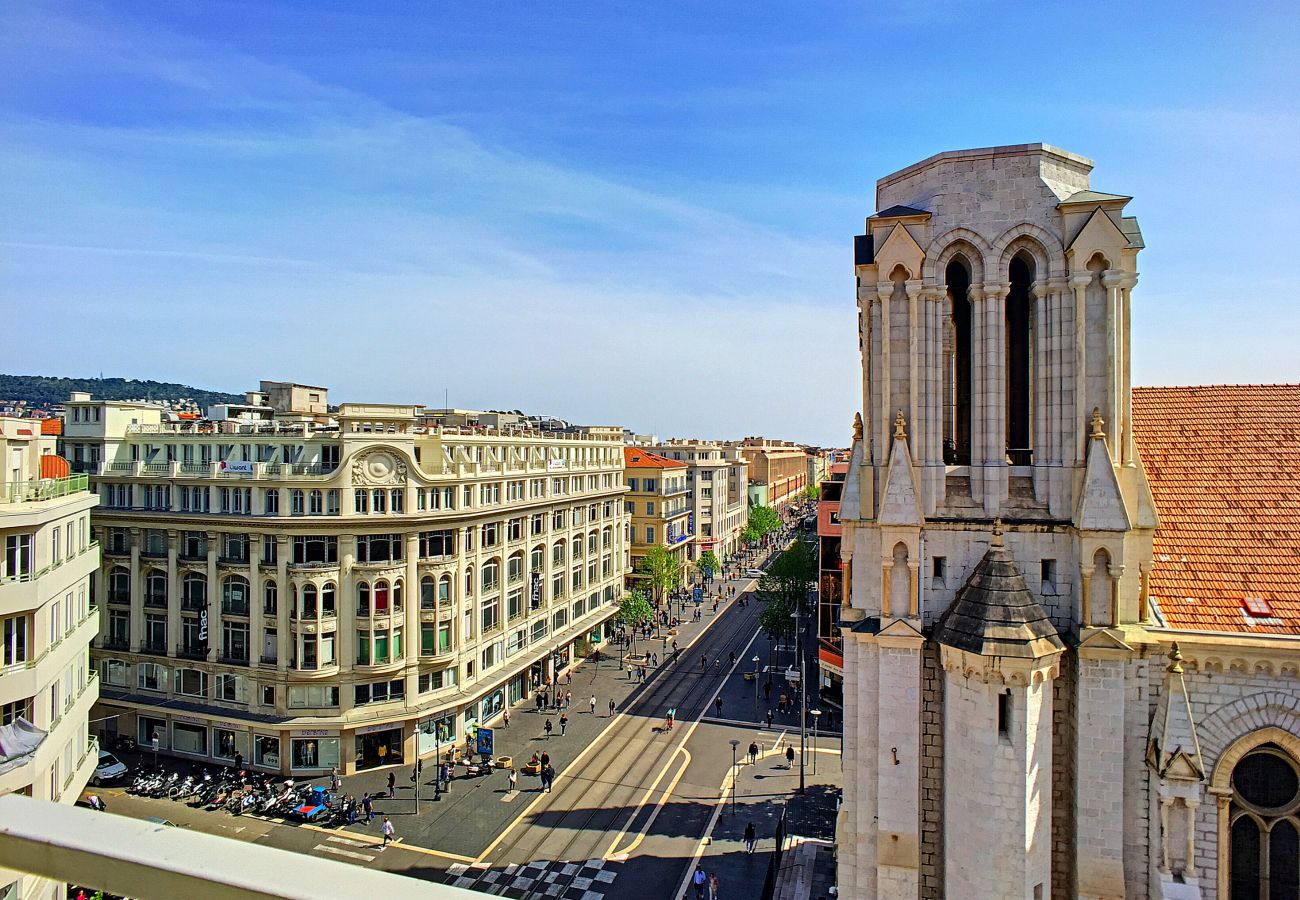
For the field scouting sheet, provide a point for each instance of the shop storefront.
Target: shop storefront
(378, 745)
(436, 733)
(266, 751)
(148, 726)
(189, 736)
(314, 750)
(226, 743)
(518, 688)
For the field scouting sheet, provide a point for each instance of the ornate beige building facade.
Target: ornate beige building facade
(1072, 620)
(350, 589)
(47, 621)
(717, 478)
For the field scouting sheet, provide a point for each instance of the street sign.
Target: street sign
(485, 741)
(697, 594)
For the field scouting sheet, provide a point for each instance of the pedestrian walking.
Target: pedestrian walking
(789, 757)
(505, 718)
(387, 829)
(392, 785)
(335, 781)
(750, 838)
(592, 704)
(548, 778)
(568, 678)
(731, 659)
(548, 728)
(239, 761)
(753, 752)
(830, 717)
(445, 774)
(769, 717)
(514, 779)
(612, 707)
(368, 807)
(546, 760)
(713, 886)
(629, 671)
(654, 659)
(717, 705)
(700, 880)
(568, 699)
(538, 699)
(564, 723)
(767, 691)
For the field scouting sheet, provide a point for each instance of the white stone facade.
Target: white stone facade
(994, 290)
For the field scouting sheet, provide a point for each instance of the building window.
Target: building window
(379, 548)
(436, 544)
(151, 677)
(1004, 714)
(191, 682)
(939, 570)
(1047, 574)
(1264, 844)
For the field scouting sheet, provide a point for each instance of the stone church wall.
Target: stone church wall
(931, 774)
(1064, 728)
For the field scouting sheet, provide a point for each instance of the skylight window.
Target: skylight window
(1256, 607)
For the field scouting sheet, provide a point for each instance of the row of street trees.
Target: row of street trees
(763, 520)
(784, 589)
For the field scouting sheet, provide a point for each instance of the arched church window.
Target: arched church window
(1099, 591)
(957, 359)
(1264, 854)
(1019, 354)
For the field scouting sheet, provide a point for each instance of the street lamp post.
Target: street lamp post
(437, 760)
(756, 662)
(734, 744)
(816, 714)
(803, 699)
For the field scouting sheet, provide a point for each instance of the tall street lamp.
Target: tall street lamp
(756, 662)
(803, 699)
(816, 714)
(734, 744)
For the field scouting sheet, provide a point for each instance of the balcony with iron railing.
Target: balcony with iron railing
(192, 651)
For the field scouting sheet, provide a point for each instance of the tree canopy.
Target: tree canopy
(633, 610)
(709, 562)
(764, 521)
(811, 492)
(662, 570)
(775, 619)
(790, 576)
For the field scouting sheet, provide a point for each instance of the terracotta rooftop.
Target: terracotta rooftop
(1224, 466)
(636, 458)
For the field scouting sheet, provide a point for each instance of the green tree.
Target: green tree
(662, 570)
(633, 610)
(764, 520)
(790, 576)
(709, 562)
(775, 620)
(811, 492)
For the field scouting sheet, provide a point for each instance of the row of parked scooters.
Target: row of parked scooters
(239, 792)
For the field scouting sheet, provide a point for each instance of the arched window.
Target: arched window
(575, 548)
(607, 537)
(119, 586)
(363, 598)
(537, 559)
(491, 574)
(1265, 815)
(444, 590)
(234, 596)
(515, 566)
(1019, 354)
(194, 591)
(327, 606)
(381, 598)
(469, 581)
(397, 595)
(270, 598)
(1099, 590)
(307, 608)
(155, 588)
(899, 582)
(428, 592)
(557, 553)
(957, 366)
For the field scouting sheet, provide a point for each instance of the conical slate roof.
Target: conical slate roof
(995, 615)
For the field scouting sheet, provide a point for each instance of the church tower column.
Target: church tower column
(1078, 433)
(995, 397)
(979, 424)
(1000, 655)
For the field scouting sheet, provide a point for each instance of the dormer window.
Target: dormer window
(1257, 607)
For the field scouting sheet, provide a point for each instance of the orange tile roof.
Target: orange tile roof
(636, 458)
(1224, 467)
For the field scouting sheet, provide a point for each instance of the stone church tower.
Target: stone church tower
(997, 539)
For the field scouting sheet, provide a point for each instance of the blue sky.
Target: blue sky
(621, 213)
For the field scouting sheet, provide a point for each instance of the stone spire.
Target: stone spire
(1173, 748)
(995, 614)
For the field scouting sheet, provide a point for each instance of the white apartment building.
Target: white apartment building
(716, 476)
(47, 686)
(350, 591)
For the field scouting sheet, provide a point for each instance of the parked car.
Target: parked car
(754, 573)
(110, 768)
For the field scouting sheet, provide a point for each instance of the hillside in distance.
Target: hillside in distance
(45, 390)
